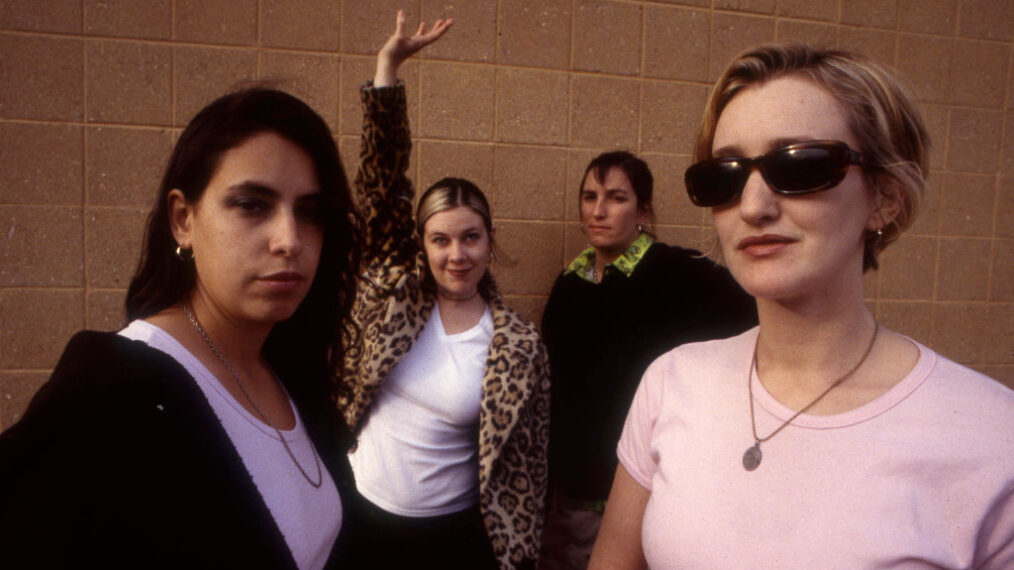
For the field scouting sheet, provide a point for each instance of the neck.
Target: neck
(240, 342)
(451, 301)
(812, 341)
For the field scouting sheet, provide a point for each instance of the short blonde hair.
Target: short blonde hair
(881, 115)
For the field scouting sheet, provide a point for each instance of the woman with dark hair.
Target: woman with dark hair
(201, 435)
(621, 303)
(818, 439)
(447, 388)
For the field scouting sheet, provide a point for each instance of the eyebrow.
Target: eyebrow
(734, 151)
(251, 187)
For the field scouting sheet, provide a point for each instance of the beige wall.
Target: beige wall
(518, 97)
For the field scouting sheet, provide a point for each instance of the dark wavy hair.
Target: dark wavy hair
(637, 172)
(310, 340)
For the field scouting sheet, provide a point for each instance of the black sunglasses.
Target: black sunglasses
(795, 169)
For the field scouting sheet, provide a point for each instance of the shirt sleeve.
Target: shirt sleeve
(635, 449)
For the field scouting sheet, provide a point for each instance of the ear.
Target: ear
(887, 204)
(644, 214)
(181, 217)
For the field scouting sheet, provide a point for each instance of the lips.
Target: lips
(459, 273)
(283, 281)
(764, 245)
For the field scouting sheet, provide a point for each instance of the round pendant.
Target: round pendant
(752, 457)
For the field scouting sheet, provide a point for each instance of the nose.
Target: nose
(758, 204)
(599, 211)
(457, 252)
(285, 238)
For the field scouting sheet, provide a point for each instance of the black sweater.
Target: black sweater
(120, 462)
(601, 337)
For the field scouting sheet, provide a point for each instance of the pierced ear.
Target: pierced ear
(180, 217)
(887, 204)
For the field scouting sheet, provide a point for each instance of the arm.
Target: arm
(400, 47)
(619, 541)
(384, 192)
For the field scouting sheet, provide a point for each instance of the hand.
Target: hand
(400, 47)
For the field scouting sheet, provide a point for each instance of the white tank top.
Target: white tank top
(418, 450)
(309, 518)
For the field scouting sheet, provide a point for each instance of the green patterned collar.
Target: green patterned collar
(584, 264)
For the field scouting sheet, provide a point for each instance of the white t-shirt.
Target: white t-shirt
(309, 518)
(922, 477)
(418, 450)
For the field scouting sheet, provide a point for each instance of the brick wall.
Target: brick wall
(518, 97)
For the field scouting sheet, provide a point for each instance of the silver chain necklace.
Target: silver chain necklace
(221, 358)
(752, 457)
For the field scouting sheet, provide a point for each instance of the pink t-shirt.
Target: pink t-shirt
(922, 477)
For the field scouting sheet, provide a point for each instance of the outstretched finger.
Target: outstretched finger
(399, 23)
(439, 28)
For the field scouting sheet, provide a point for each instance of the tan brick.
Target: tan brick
(529, 182)
(471, 161)
(604, 112)
(966, 207)
(925, 63)
(37, 325)
(929, 16)
(908, 269)
(676, 43)
(312, 78)
(129, 82)
(964, 269)
(986, 19)
(456, 101)
(535, 33)
(870, 13)
(125, 165)
(975, 137)
(152, 19)
(203, 74)
(473, 36)
(733, 33)
(978, 78)
(40, 246)
(607, 37)
(41, 78)
(532, 106)
(62, 16)
(229, 23)
(40, 164)
(113, 239)
(307, 24)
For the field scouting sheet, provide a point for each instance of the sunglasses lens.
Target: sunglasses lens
(805, 168)
(715, 182)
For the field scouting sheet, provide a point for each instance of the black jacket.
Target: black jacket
(601, 337)
(120, 462)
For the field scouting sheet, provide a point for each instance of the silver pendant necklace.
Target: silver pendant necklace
(264, 418)
(752, 456)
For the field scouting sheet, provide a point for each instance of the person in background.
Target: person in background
(202, 435)
(446, 388)
(819, 439)
(621, 303)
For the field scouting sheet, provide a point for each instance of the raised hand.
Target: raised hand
(400, 47)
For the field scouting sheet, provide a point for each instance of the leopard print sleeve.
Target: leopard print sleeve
(383, 190)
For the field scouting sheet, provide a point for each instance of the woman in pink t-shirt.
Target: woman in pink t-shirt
(818, 439)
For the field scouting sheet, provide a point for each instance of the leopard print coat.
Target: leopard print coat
(391, 308)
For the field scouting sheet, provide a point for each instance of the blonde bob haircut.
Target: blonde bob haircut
(881, 115)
